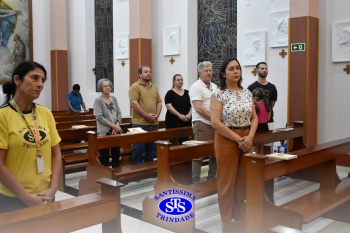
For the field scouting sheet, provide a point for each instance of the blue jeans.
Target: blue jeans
(144, 152)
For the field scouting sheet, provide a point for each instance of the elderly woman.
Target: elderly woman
(30, 156)
(108, 117)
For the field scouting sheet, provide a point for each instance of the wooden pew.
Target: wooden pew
(74, 117)
(70, 214)
(69, 124)
(318, 163)
(125, 173)
(168, 155)
(66, 113)
(73, 160)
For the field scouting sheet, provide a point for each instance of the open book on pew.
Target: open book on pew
(281, 156)
(194, 142)
(79, 126)
(137, 130)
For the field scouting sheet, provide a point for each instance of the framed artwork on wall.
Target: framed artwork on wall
(278, 29)
(171, 41)
(122, 50)
(341, 42)
(16, 40)
(254, 48)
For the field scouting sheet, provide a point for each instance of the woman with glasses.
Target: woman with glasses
(108, 117)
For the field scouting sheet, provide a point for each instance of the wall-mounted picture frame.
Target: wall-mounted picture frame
(341, 42)
(254, 47)
(16, 35)
(278, 29)
(122, 48)
(171, 41)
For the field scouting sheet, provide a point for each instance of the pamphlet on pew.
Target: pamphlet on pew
(79, 126)
(194, 142)
(281, 156)
(136, 130)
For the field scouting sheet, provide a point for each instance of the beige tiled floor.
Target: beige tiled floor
(207, 211)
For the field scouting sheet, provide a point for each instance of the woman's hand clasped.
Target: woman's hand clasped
(245, 143)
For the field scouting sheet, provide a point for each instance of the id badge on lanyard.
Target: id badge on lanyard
(39, 159)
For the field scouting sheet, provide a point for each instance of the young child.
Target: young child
(262, 108)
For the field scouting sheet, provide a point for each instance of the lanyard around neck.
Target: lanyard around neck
(36, 133)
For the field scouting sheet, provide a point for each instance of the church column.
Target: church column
(140, 36)
(58, 54)
(303, 66)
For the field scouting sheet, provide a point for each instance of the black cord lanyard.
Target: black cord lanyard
(36, 133)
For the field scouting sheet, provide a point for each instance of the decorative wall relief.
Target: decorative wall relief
(15, 35)
(278, 29)
(341, 42)
(171, 41)
(254, 48)
(122, 48)
(217, 32)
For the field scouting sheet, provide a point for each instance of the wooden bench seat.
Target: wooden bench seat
(95, 169)
(204, 189)
(318, 164)
(318, 203)
(70, 214)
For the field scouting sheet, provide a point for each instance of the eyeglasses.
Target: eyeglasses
(107, 85)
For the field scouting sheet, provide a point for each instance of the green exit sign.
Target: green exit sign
(297, 47)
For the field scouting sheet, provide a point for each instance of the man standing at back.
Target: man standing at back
(146, 107)
(270, 89)
(271, 94)
(200, 95)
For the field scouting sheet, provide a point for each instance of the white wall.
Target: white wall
(182, 13)
(333, 83)
(81, 48)
(121, 74)
(250, 19)
(41, 44)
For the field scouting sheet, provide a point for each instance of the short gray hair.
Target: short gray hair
(203, 64)
(99, 83)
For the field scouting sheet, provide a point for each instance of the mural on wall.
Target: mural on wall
(171, 41)
(15, 35)
(217, 32)
(341, 42)
(278, 29)
(254, 48)
(122, 50)
(104, 51)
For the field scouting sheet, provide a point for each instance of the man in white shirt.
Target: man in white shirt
(200, 95)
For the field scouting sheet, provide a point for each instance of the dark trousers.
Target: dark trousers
(104, 156)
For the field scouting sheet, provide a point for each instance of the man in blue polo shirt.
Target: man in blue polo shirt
(75, 100)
